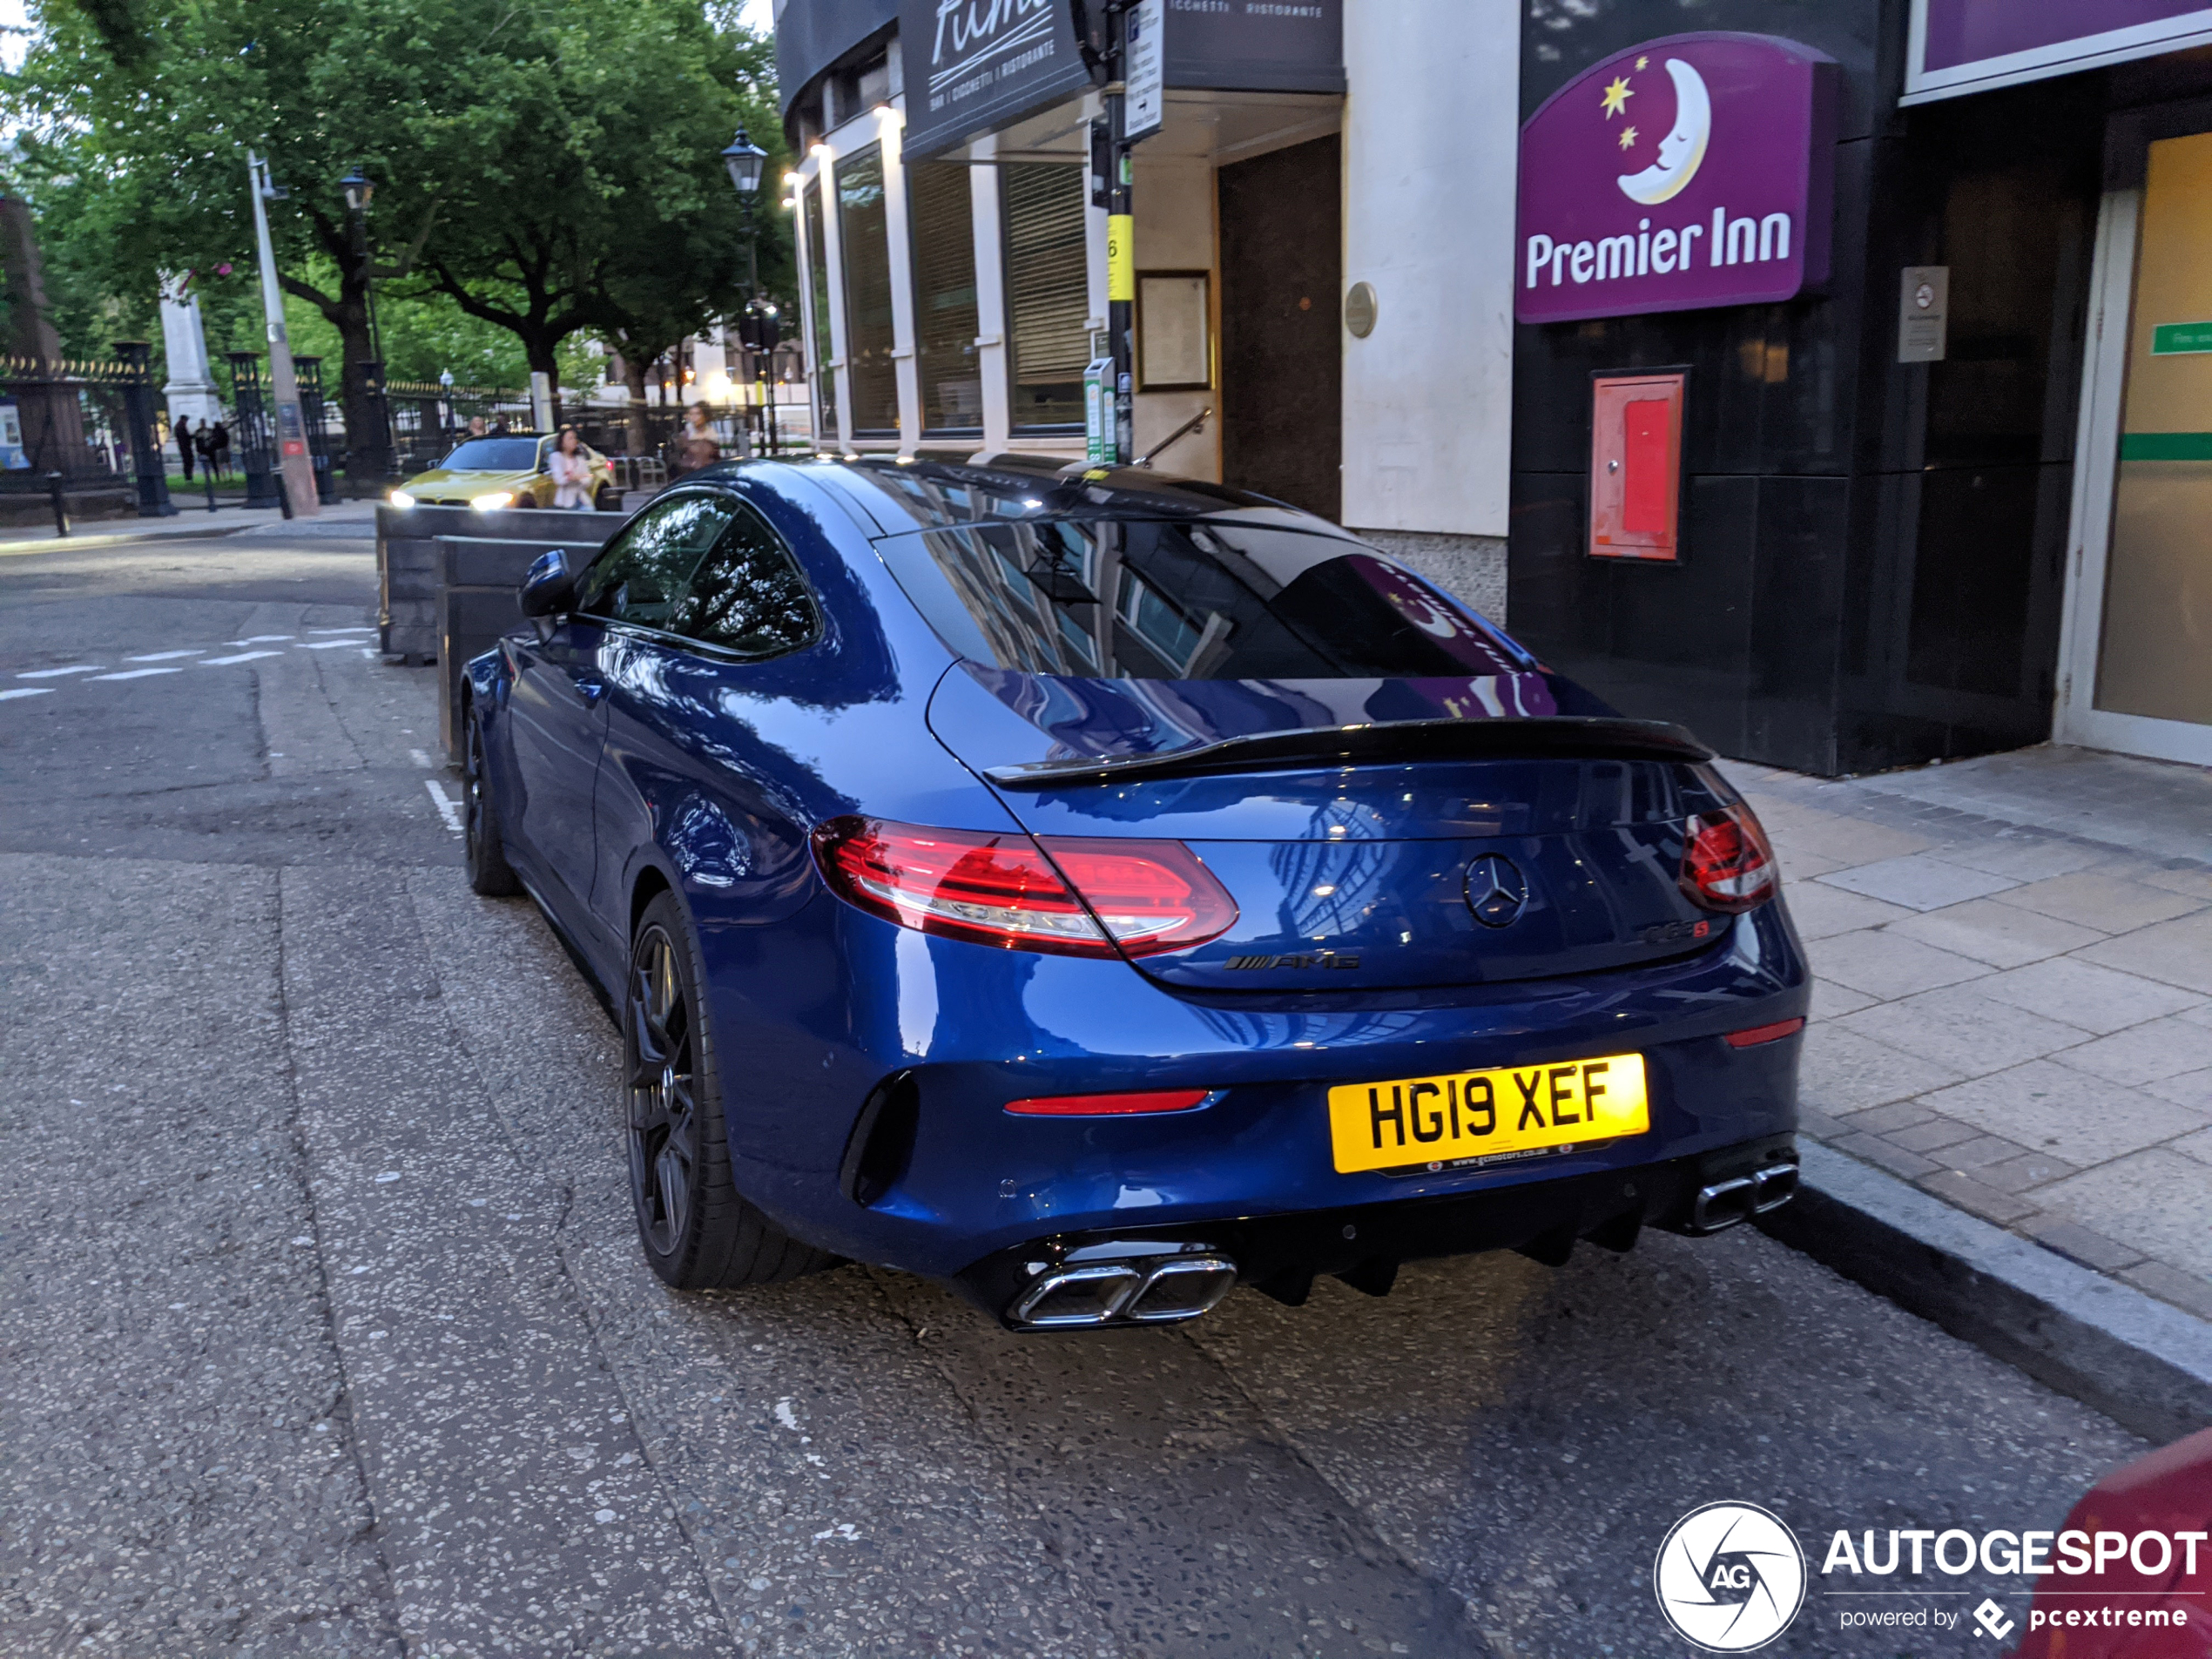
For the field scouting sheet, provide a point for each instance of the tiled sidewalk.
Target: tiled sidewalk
(2015, 1005)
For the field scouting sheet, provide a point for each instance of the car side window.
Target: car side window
(640, 576)
(749, 595)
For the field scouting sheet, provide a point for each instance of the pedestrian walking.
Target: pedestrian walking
(570, 470)
(203, 440)
(182, 432)
(222, 446)
(696, 445)
(476, 428)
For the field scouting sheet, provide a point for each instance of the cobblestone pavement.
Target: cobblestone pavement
(324, 1329)
(2015, 1007)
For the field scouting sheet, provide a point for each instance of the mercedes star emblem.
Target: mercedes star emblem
(1497, 892)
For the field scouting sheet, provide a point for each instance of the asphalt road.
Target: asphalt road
(322, 1328)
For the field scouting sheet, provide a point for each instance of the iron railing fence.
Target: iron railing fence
(70, 424)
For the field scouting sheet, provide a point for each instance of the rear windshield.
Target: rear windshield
(493, 454)
(1139, 599)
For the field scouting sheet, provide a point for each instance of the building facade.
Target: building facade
(1834, 378)
(956, 263)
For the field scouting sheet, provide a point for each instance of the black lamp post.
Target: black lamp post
(745, 160)
(359, 189)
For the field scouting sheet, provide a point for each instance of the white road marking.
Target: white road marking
(56, 673)
(324, 644)
(167, 655)
(138, 673)
(447, 809)
(372, 654)
(243, 656)
(260, 639)
(342, 630)
(27, 690)
(420, 758)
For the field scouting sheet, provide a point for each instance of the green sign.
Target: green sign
(2178, 338)
(2166, 446)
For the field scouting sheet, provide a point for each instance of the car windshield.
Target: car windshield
(1139, 599)
(493, 454)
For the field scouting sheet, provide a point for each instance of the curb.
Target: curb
(2145, 1365)
(76, 541)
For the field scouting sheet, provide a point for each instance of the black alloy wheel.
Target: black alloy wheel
(663, 1101)
(488, 871)
(699, 1232)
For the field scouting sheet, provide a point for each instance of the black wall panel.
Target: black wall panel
(1871, 551)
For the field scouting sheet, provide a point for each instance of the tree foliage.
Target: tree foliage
(550, 170)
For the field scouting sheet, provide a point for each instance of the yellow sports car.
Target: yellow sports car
(488, 474)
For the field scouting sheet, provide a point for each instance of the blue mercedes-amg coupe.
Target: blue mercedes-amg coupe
(1097, 888)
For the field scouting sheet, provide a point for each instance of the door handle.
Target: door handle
(591, 688)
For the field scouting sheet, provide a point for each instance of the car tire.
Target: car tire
(486, 849)
(606, 500)
(698, 1232)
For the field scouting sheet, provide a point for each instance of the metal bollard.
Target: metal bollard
(54, 482)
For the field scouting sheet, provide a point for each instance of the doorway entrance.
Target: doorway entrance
(1282, 365)
(2139, 659)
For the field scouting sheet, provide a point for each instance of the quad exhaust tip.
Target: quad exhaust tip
(1078, 1296)
(1725, 1203)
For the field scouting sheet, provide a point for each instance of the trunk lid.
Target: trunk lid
(1374, 834)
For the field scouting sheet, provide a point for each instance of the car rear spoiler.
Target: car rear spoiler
(1546, 737)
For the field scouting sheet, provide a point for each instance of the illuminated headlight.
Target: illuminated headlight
(493, 502)
(401, 498)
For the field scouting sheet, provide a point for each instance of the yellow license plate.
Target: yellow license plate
(1478, 1116)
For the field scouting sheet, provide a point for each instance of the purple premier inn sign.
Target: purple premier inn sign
(1690, 172)
(1969, 45)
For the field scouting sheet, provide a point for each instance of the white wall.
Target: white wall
(1431, 130)
(1176, 232)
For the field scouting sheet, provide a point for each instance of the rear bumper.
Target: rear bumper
(1282, 1255)
(874, 1121)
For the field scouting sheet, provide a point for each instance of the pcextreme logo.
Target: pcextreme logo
(1730, 1577)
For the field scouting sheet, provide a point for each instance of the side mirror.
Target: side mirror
(548, 588)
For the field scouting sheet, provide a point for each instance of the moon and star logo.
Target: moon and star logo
(1682, 152)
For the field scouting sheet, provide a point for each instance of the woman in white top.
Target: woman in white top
(570, 471)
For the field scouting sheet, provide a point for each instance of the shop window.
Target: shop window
(864, 247)
(822, 347)
(941, 209)
(1047, 293)
(1635, 466)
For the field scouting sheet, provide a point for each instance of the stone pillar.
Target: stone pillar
(191, 387)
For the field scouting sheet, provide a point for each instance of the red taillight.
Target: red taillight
(1726, 863)
(1758, 1034)
(1152, 1100)
(1003, 889)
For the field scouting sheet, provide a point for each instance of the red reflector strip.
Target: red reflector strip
(1759, 1034)
(1156, 1100)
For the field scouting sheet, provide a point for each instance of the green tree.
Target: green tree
(529, 161)
(612, 213)
(141, 113)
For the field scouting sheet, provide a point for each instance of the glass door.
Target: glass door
(2154, 647)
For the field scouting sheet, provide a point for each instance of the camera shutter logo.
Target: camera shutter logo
(1730, 1577)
